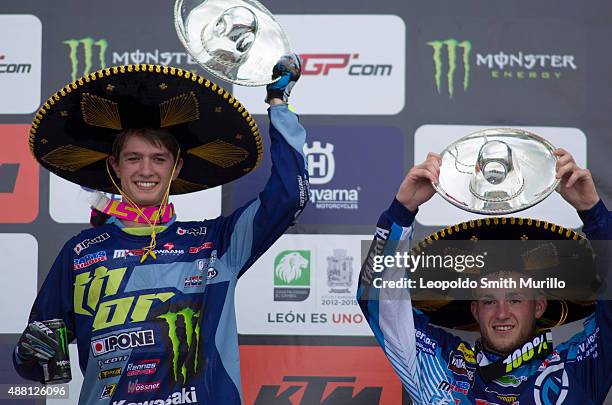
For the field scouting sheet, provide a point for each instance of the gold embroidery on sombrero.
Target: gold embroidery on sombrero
(72, 157)
(178, 110)
(100, 112)
(183, 186)
(544, 256)
(220, 153)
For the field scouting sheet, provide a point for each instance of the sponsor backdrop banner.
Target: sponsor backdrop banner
(20, 63)
(304, 375)
(383, 84)
(350, 72)
(304, 285)
(349, 184)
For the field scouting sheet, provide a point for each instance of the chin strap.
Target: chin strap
(149, 250)
(540, 347)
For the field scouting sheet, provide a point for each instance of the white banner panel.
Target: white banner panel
(304, 285)
(18, 280)
(351, 64)
(20, 63)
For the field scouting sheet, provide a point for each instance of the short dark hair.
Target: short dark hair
(156, 136)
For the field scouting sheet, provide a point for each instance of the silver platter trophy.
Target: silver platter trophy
(497, 171)
(238, 41)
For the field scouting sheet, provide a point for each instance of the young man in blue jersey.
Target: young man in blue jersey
(149, 299)
(437, 367)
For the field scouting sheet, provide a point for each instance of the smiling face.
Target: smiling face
(507, 317)
(144, 166)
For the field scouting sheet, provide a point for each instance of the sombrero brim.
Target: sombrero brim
(73, 132)
(455, 314)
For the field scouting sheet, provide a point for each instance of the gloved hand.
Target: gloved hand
(36, 343)
(289, 69)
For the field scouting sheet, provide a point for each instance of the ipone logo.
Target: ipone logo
(122, 341)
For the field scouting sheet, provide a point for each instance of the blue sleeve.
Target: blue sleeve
(417, 351)
(588, 353)
(54, 301)
(248, 232)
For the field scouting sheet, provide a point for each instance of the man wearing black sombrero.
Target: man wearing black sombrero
(514, 360)
(150, 300)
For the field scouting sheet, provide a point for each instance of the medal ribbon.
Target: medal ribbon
(540, 347)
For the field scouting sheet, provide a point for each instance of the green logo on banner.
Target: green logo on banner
(93, 50)
(187, 331)
(292, 268)
(452, 46)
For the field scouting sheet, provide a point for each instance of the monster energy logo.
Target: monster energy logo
(451, 52)
(191, 331)
(89, 45)
(63, 337)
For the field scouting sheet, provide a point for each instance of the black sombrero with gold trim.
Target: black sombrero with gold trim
(456, 314)
(73, 132)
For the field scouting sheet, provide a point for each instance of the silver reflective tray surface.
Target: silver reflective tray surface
(238, 41)
(497, 171)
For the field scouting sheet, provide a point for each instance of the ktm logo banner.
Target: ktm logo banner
(317, 375)
(18, 176)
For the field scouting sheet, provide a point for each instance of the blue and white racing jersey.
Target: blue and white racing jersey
(437, 367)
(164, 331)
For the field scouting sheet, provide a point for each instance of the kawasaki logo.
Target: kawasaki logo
(179, 397)
(89, 45)
(451, 46)
(185, 320)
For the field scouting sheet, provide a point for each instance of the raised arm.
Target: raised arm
(248, 232)
(417, 351)
(588, 353)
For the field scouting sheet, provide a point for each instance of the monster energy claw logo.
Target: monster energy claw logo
(89, 45)
(63, 337)
(451, 52)
(191, 330)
